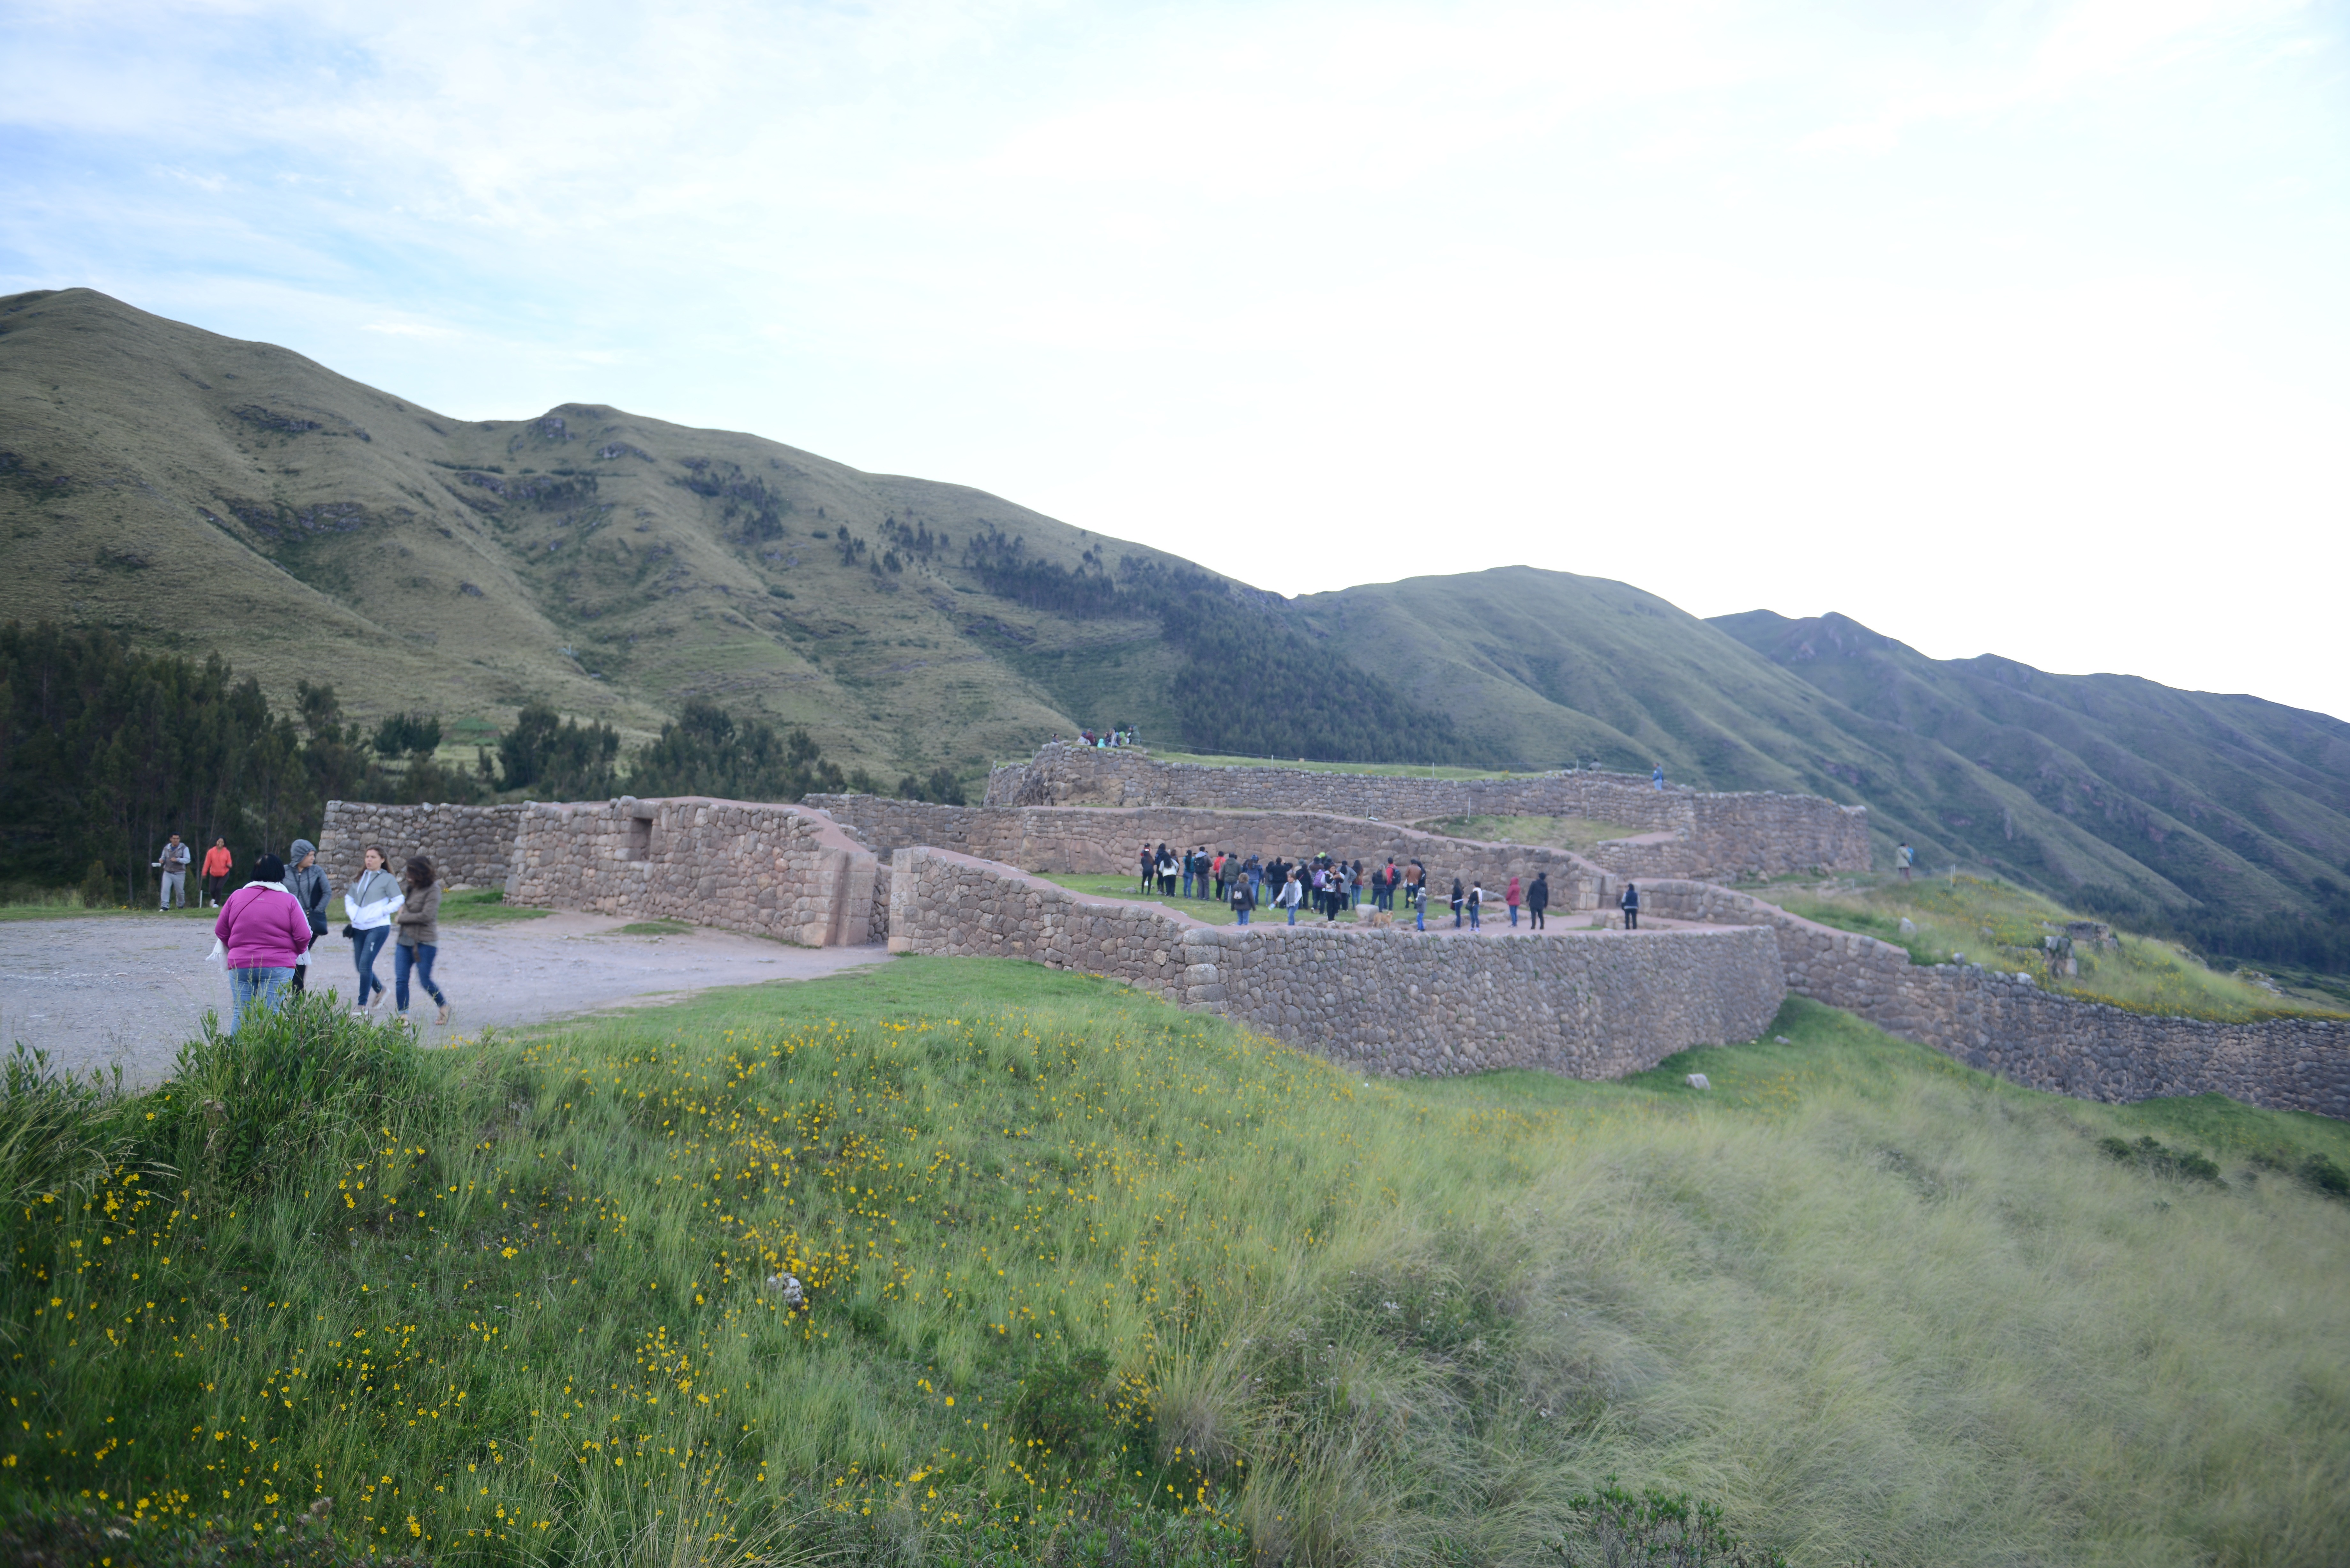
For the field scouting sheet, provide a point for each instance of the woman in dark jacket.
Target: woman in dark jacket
(1458, 898)
(307, 883)
(420, 936)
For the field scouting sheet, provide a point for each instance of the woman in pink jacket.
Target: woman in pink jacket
(264, 933)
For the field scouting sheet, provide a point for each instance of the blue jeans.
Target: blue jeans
(1514, 914)
(1293, 914)
(1420, 915)
(1187, 884)
(420, 959)
(1475, 921)
(1244, 917)
(254, 991)
(364, 947)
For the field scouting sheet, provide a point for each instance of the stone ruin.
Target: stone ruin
(911, 877)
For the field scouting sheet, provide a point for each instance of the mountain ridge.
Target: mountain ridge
(201, 493)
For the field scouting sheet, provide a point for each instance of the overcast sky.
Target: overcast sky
(2021, 328)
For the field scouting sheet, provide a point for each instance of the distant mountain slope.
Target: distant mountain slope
(2242, 804)
(200, 492)
(1551, 666)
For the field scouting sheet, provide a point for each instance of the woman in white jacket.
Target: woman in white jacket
(368, 904)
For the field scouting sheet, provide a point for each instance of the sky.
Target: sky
(2000, 327)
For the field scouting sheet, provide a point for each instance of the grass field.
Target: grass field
(1087, 1276)
(2000, 926)
(1576, 832)
(1399, 770)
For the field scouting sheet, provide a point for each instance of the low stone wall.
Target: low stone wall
(771, 870)
(1585, 1004)
(1062, 839)
(469, 846)
(2035, 1037)
(1758, 832)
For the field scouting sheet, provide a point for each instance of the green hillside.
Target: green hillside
(199, 494)
(2121, 793)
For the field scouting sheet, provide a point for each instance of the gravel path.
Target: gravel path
(97, 991)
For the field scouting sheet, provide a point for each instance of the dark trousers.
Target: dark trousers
(420, 959)
(1534, 915)
(1632, 917)
(215, 889)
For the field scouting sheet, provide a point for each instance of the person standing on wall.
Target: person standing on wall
(217, 863)
(1538, 900)
(1510, 896)
(173, 863)
(261, 934)
(1657, 778)
(368, 905)
(309, 885)
(1631, 907)
(1904, 858)
(420, 936)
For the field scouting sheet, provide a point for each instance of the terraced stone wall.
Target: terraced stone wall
(2010, 1026)
(1592, 1004)
(469, 846)
(1059, 839)
(1724, 835)
(771, 870)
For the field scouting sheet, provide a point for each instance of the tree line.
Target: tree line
(105, 751)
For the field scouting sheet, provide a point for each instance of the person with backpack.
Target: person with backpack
(261, 934)
(420, 936)
(309, 885)
(1631, 906)
(1538, 900)
(1904, 858)
(1476, 905)
(1243, 898)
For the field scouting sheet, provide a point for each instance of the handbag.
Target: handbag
(350, 934)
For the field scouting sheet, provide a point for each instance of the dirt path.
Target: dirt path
(93, 993)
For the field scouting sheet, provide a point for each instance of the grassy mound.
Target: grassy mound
(1983, 920)
(969, 1261)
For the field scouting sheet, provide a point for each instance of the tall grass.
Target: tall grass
(1081, 1274)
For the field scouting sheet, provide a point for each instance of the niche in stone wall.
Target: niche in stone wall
(640, 838)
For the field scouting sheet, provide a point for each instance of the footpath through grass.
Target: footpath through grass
(1084, 1278)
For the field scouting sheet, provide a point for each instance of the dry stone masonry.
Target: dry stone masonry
(1584, 1004)
(772, 871)
(2010, 1026)
(1753, 833)
(1061, 839)
(470, 846)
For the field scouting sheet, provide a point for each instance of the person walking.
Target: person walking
(420, 936)
(1538, 900)
(1293, 893)
(1631, 903)
(369, 905)
(1460, 900)
(1510, 896)
(1476, 905)
(1417, 893)
(217, 864)
(1904, 857)
(309, 885)
(173, 862)
(261, 934)
(1243, 898)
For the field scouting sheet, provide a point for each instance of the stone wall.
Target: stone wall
(1761, 833)
(2010, 1026)
(1587, 1004)
(469, 846)
(771, 870)
(1059, 839)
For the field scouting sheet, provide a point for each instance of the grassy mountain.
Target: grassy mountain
(200, 493)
